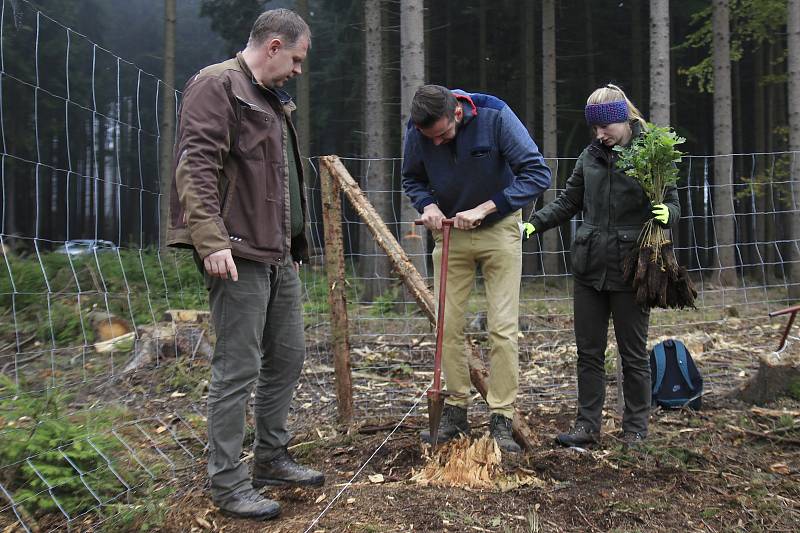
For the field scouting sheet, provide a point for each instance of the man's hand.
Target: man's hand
(472, 218)
(432, 217)
(220, 264)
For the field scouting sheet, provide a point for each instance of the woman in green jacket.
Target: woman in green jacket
(614, 208)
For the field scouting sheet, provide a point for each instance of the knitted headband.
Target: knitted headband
(608, 113)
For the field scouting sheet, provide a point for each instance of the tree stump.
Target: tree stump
(778, 375)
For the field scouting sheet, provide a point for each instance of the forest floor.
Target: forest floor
(728, 467)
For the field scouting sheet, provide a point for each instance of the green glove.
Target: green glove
(527, 230)
(661, 214)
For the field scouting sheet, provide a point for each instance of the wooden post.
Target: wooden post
(383, 237)
(337, 296)
(333, 167)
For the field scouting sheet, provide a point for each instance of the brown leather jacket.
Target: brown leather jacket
(231, 186)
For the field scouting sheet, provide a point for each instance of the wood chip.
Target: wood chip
(202, 522)
(780, 468)
(376, 478)
(320, 498)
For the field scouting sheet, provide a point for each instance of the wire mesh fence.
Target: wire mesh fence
(83, 433)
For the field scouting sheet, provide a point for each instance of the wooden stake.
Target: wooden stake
(411, 278)
(383, 237)
(337, 296)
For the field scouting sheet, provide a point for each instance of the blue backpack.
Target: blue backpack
(674, 377)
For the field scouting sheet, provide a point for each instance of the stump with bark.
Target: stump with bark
(778, 375)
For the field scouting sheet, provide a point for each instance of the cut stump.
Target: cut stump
(778, 375)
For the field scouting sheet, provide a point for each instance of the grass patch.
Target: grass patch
(51, 298)
(53, 459)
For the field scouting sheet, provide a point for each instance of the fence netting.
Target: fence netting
(86, 423)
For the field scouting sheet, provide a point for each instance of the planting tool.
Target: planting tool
(435, 393)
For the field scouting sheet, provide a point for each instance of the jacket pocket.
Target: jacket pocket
(255, 123)
(581, 250)
(480, 151)
(626, 241)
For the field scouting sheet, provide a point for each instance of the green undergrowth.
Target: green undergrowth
(57, 460)
(51, 298)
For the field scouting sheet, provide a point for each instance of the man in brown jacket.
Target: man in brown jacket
(237, 199)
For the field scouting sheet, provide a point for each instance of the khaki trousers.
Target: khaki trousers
(497, 249)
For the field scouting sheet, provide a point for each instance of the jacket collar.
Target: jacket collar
(283, 97)
(467, 105)
(606, 153)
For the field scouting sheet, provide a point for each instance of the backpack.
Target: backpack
(674, 377)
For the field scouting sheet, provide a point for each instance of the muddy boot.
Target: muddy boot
(500, 429)
(578, 435)
(283, 470)
(248, 503)
(632, 440)
(453, 424)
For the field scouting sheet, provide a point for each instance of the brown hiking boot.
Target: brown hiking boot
(283, 470)
(248, 503)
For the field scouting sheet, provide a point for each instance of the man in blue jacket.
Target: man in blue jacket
(468, 157)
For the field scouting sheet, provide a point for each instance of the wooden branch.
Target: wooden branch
(383, 237)
(412, 279)
(337, 295)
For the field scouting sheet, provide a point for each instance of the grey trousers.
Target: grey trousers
(259, 326)
(592, 311)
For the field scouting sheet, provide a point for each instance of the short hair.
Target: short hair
(430, 103)
(279, 23)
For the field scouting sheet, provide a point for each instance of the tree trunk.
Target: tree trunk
(483, 50)
(450, 34)
(551, 240)
(167, 130)
(589, 44)
(529, 61)
(528, 36)
(303, 113)
(412, 71)
(760, 189)
(637, 52)
(659, 62)
(376, 182)
(723, 177)
(793, 105)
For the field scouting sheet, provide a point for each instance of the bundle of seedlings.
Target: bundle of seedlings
(651, 266)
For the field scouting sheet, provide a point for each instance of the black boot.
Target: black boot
(500, 429)
(632, 440)
(453, 424)
(283, 470)
(578, 435)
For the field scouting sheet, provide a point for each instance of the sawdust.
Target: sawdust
(471, 464)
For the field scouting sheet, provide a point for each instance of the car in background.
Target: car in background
(85, 247)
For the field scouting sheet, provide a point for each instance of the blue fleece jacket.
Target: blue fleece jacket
(492, 157)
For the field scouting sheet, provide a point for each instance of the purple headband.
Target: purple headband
(608, 113)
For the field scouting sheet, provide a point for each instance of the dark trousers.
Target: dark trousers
(259, 326)
(592, 311)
